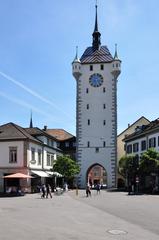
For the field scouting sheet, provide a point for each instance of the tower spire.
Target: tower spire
(31, 121)
(116, 53)
(96, 34)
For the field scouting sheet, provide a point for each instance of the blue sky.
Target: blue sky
(37, 45)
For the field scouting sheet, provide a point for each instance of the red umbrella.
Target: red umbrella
(18, 175)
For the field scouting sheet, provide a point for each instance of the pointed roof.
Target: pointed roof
(31, 121)
(60, 134)
(76, 59)
(101, 55)
(96, 34)
(11, 131)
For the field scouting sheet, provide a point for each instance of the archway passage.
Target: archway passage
(96, 174)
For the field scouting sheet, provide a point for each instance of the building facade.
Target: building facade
(129, 130)
(26, 150)
(143, 138)
(96, 75)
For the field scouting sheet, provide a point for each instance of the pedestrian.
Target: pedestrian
(43, 189)
(88, 191)
(48, 191)
(98, 187)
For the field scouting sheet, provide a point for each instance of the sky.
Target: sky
(38, 40)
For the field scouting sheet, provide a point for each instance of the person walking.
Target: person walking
(43, 189)
(48, 191)
(98, 187)
(88, 191)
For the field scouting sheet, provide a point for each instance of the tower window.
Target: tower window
(88, 121)
(104, 144)
(88, 144)
(87, 90)
(91, 68)
(104, 106)
(87, 106)
(104, 89)
(101, 67)
(104, 122)
(97, 150)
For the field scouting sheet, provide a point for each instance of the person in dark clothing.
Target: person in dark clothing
(88, 191)
(48, 191)
(98, 187)
(43, 189)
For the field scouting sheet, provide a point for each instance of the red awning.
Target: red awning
(18, 175)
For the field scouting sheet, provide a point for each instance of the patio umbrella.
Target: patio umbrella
(18, 175)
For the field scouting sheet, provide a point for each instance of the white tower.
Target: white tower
(96, 74)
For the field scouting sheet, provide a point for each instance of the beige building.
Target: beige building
(129, 130)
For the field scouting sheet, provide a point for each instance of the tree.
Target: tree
(67, 167)
(149, 162)
(126, 166)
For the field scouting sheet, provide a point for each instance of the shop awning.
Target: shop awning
(40, 173)
(56, 174)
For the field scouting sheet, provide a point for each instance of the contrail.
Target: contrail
(26, 105)
(33, 93)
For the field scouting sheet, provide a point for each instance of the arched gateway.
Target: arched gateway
(96, 75)
(96, 174)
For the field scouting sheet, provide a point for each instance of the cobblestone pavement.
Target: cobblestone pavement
(67, 217)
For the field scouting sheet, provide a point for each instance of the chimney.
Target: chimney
(128, 125)
(45, 128)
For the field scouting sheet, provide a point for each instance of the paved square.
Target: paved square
(76, 217)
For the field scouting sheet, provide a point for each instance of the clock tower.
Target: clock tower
(96, 74)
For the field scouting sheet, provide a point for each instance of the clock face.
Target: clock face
(96, 80)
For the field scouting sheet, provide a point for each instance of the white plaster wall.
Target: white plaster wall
(4, 154)
(96, 132)
(36, 147)
(139, 140)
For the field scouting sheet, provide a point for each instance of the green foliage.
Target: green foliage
(149, 162)
(66, 166)
(126, 165)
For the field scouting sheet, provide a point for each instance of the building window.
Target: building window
(12, 154)
(50, 159)
(74, 144)
(58, 144)
(91, 68)
(101, 67)
(97, 150)
(129, 148)
(135, 147)
(104, 122)
(104, 89)
(87, 90)
(87, 106)
(104, 144)
(48, 142)
(88, 144)
(143, 145)
(39, 157)
(67, 144)
(104, 106)
(88, 121)
(158, 140)
(32, 154)
(152, 142)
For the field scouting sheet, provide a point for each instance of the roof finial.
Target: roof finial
(96, 34)
(31, 121)
(96, 19)
(116, 53)
(76, 57)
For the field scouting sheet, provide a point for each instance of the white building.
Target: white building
(143, 138)
(26, 150)
(96, 74)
